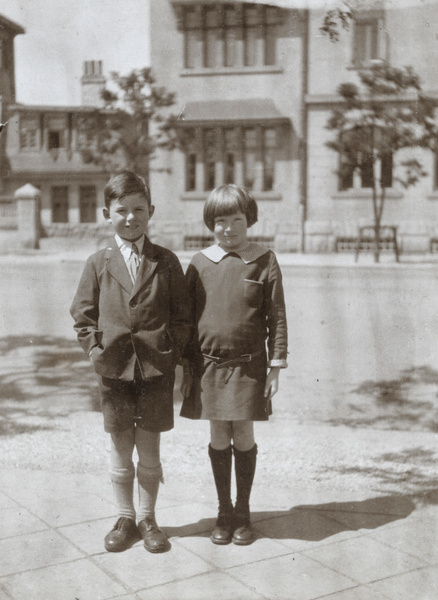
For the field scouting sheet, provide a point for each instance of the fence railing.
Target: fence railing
(8, 213)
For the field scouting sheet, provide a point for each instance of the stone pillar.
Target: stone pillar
(28, 201)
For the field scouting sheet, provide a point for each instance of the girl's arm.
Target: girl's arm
(272, 378)
(276, 317)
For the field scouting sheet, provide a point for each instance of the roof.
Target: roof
(252, 110)
(10, 25)
(52, 109)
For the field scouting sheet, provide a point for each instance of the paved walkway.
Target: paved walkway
(312, 541)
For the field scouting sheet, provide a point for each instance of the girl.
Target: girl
(238, 314)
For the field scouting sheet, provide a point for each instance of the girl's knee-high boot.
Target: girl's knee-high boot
(221, 466)
(245, 465)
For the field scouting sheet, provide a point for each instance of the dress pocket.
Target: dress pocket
(253, 292)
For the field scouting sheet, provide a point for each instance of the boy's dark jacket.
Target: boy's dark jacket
(146, 322)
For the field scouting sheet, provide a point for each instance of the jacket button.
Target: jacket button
(134, 329)
(133, 304)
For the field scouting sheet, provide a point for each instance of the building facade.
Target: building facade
(255, 85)
(41, 146)
(44, 148)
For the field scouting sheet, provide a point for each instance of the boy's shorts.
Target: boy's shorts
(146, 403)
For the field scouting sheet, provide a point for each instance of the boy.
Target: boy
(130, 313)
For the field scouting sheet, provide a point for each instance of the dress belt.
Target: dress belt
(243, 358)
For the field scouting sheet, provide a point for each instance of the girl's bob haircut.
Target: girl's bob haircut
(123, 184)
(228, 199)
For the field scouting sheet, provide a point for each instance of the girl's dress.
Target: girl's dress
(239, 320)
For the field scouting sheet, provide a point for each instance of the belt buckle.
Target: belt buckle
(246, 357)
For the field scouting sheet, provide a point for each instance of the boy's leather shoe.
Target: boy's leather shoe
(122, 535)
(154, 539)
(223, 530)
(243, 534)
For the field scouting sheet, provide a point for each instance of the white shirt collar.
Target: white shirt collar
(249, 254)
(126, 247)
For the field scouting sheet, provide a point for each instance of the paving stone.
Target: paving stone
(19, 521)
(405, 536)
(421, 584)
(364, 559)
(34, 551)
(78, 580)
(291, 577)
(303, 529)
(231, 555)
(361, 592)
(6, 502)
(211, 586)
(89, 536)
(141, 569)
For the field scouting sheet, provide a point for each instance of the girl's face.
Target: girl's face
(231, 231)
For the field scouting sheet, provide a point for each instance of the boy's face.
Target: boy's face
(129, 216)
(231, 231)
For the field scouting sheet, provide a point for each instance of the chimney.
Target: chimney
(93, 82)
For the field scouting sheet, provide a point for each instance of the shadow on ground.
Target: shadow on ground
(42, 378)
(407, 403)
(315, 522)
(412, 470)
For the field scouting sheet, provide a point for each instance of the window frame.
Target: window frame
(371, 21)
(232, 51)
(205, 163)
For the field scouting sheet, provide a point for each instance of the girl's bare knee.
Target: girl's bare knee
(220, 434)
(243, 435)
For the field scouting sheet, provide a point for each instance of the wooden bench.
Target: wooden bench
(388, 236)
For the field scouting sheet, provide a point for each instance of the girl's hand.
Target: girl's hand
(271, 386)
(187, 380)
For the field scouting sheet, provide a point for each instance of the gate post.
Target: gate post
(28, 202)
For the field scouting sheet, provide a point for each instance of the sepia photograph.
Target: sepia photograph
(223, 212)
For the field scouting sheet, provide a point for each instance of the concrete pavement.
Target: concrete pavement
(354, 528)
(314, 540)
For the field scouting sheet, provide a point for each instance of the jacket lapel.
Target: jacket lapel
(147, 266)
(117, 267)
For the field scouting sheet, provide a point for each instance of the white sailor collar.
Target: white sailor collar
(249, 254)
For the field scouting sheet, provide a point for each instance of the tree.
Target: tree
(388, 113)
(119, 135)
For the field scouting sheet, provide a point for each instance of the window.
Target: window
(28, 133)
(54, 139)
(56, 127)
(367, 43)
(87, 204)
(60, 204)
(242, 155)
(357, 165)
(365, 169)
(229, 35)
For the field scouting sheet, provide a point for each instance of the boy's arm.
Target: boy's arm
(85, 308)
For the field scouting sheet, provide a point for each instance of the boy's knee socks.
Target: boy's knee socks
(149, 479)
(123, 488)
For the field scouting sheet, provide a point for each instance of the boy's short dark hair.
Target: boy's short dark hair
(123, 184)
(228, 199)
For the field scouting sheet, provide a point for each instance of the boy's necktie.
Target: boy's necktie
(134, 262)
